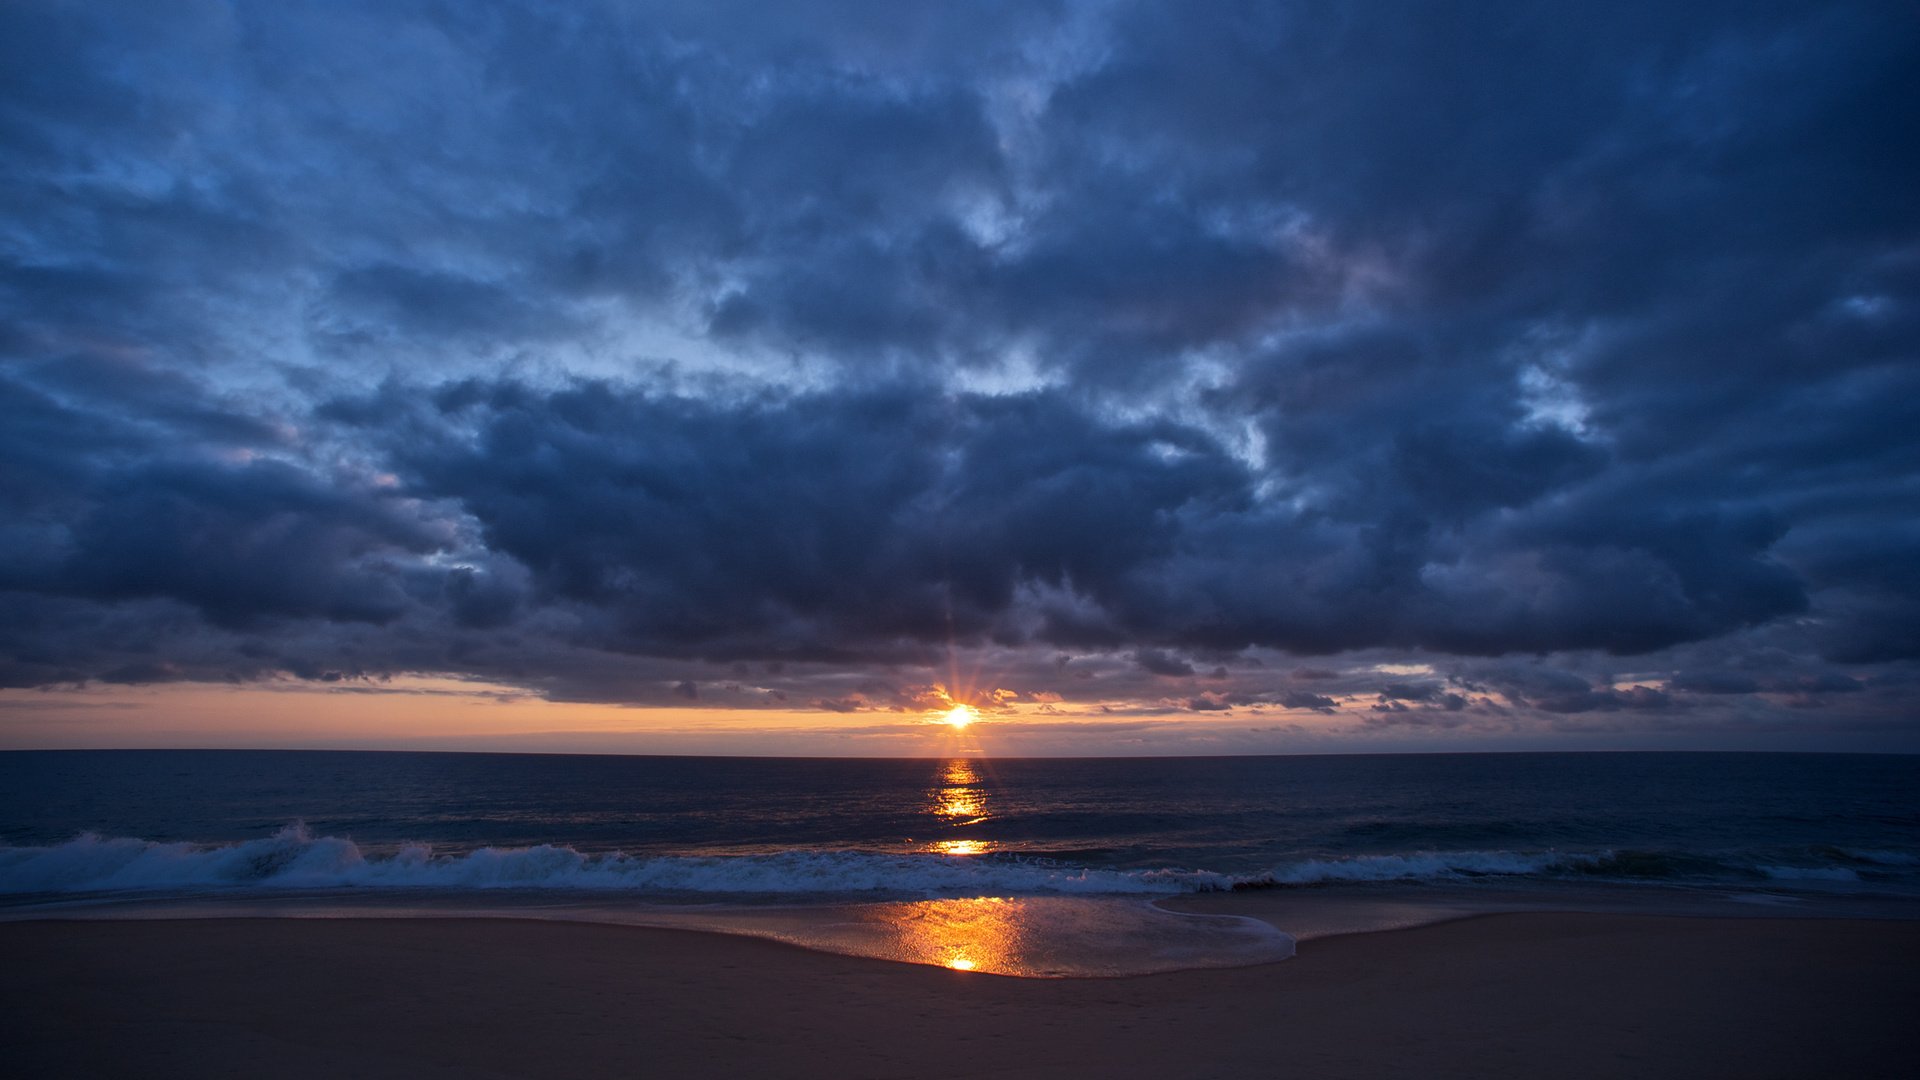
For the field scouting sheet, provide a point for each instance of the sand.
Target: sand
(1521, 995)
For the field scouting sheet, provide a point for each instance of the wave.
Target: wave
(294, 859)
(1626, 865)
(1418, 866)
(1880, 858)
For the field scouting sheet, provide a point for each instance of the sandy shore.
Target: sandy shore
(1523, 995)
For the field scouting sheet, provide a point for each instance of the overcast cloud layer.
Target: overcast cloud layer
(1438, 365)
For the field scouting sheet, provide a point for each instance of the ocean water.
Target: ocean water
(1042, 863)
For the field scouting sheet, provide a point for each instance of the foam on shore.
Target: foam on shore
(293, 858)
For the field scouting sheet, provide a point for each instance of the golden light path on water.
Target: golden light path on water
(978, 934)
(957, 802)
(1047, 936)
(1030, 936)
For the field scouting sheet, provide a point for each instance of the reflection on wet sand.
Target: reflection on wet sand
(981, 934)
(1033, 937)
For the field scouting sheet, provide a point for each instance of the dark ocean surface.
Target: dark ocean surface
(676, 827)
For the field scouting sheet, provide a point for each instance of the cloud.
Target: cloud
(1605, 699)
(1712, 682)
(596, 351)
(1411, 691)
(1300, 699)
(1162, 663)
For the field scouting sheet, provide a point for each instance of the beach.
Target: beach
(1079, 538)
(1532, 994)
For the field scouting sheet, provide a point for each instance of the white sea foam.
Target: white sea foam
(294, 859)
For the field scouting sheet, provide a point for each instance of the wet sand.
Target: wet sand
(1523, 995)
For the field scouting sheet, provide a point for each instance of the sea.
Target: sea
(1038, 867)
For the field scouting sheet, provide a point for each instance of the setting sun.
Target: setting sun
(959, 716)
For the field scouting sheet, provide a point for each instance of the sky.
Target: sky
(1149, 377)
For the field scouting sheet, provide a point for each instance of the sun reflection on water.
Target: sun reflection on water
(959, 803)
(959, 800)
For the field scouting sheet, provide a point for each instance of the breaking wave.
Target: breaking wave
(1627, 865)
(294, 859)
(1437, 865)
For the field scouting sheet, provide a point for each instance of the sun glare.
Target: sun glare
(959, 716)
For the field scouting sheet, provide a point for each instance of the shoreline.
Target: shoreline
(1318, 912)
(1519, 994)
(1038, 936)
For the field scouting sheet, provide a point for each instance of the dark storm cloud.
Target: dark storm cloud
(1300, 699)
(528, 341)
(1713, 682)
(1162, 663)
(829, 526)
(844, 524)
(1411, 691)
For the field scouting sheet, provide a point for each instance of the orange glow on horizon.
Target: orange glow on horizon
(434, 712)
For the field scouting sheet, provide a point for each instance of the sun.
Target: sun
(959, 717)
